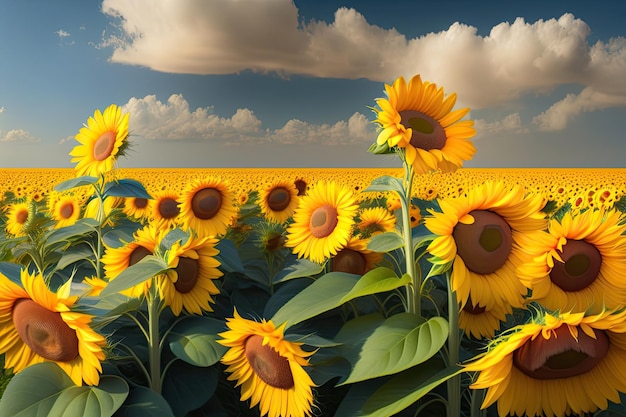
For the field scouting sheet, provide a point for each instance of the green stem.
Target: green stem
(454, 383)
(412, 289)
(154, 345)
(478, 395)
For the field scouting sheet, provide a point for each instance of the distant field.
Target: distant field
(586, 185)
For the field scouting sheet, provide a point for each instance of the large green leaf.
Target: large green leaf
(298, 268)
(78, 253)
(391, 346)
(228, 256)
(45, 389)
(388, 396)
(78, 230)
(187, 387)
(144, 402)
(126, 188)
(386, 183)
(194, 340)
(334, 289)
(143, 270)
(385, 242)
(75, 182)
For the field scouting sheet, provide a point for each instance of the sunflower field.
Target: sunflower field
(424, 290)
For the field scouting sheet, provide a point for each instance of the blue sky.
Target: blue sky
(277, 83)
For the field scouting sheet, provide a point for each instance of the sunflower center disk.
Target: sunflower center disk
(484, 245)
(274, 243)
(278, 199)
(580, 267)
(188, 271)
(21, 216)
(323, 221)
(350, 261)
(206, 203)
(561, 356)
(427, 132)
(140, 202)
(267, 364)
(137, 255)
(66, 211)
(44, 331)
(104, 146)
(300, 186)
(168, 209)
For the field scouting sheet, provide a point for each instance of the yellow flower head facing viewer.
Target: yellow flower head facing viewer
(416, 118)
(102, 140)
(38, 325)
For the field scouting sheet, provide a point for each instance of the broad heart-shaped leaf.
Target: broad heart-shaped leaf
(228, 256)
(385, 242)
(332, 290)
(144, 402)
(386, 183)
(143, 270)
(45, 389)
(75, 182)
(194, 340)
(383, 348)
(298, 268)
(388, 396)
(78, 230)
(126, 188)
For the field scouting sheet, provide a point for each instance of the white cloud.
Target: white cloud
(510, 124)
(153, 119)
(17, 136)
(2, 109)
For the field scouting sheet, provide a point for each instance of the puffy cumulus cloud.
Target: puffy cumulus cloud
(18, 136)
(153, 119)
(510, 124)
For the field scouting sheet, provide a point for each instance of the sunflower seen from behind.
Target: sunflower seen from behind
(102, 140)
(556, 365)
(323, 221)
(579, 263)
(38, 325)
(207, 207)
(268, 368)
(417, 119)
(479, 235)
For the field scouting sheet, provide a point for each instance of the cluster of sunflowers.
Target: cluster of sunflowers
(311, 299)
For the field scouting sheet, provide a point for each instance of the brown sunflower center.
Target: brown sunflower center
(66, 210)
(44, 331)
(274, 243)
(484, 245)
(21, 216)
(267, 364)
(427, 132)
(188, 271)
(168, 208)
(278, 199)
(206, 203)
(323, 221)
(561, 356)
(580, 266)
(103, 146)
(350, 261)
(137, 255)
(300, 186)
(140, 203)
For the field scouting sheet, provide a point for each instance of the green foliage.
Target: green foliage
(194, 340)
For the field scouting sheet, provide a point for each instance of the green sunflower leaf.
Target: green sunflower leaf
(71, 233)
(57, 396)
(187, 387)
(334, 289)
(75, 182)
(144, 402)
(194, 340)
(385, 242)
(387, 347)
(126, 188)
(298, 268)
(143, 270)
(386, 183)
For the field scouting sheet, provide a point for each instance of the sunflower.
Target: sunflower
(101, 141)
(578, 264)
(102, 212)
(278, 201)
(207, 207)
(268, 367)
(116, 260)
(355, 258)
(37, 325)
(481, 323)
(64, 208)
(479, 233)
(189, 283)
(137, 208)
(322, 222)
(165, 209)
(556, 365)
(18, 217)
(417, 119)
(375, 220)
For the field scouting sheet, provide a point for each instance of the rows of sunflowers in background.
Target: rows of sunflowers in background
(419, 291)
